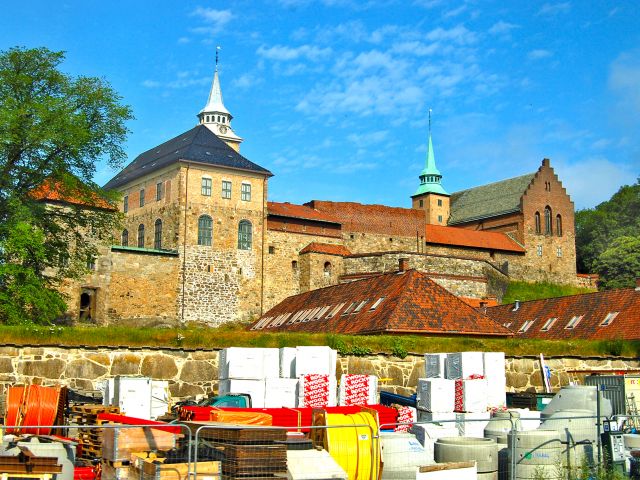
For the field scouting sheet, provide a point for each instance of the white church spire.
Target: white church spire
(215, 115)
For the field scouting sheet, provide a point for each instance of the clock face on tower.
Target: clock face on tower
(222, 129)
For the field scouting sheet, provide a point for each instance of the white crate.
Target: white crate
(436, 394)
(280, 392)
(287, 362)
(248, 363)
(494, 373)
(255, 388)
(318, 360)
(464, 365)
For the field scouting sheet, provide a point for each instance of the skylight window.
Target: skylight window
(262, 323)
(313, 314)
(526, 326)
(609, 318)
(335, 310)
(573, 322)
(548, 324)
(296, 316)
(349, 308)
(377, 303)
(360, 305)
(322, 311)
(506, 325)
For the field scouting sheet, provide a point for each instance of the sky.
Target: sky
(333, 96)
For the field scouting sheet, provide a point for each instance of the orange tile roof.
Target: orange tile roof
(462, 237)
(411, 303)
(477, 302)
(51, 191)
(298, 211)
(593, 307)
(380, 219)
(328, 248)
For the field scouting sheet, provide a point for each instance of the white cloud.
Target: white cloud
(366, 139)
(624, 79)
(215, 20)
(455, 12)
(554, 8)
(183, 40)
(459, 35)
(500, 28)
(284, 53)
(539, 54)
(183, 79)
(247, 80)
(151, 84)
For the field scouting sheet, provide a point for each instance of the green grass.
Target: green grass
(533, 291)
(236, 335)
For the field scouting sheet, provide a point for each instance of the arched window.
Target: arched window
(141, 235)
(294, 266)
(124, 239)
(558, 225)
(327, 269)
(244, 235)
(548, 225)
(157, 235)
(205, 230)
(537, 217)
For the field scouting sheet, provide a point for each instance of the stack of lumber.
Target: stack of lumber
(152, 466)
(26, 463)
(89, 439)
(246, 453)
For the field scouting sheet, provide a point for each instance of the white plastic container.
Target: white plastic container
(317, 360)
(160, 398)
(280, 392)
(402, 453)
(133, 396)
(249, 363)
(436, 394)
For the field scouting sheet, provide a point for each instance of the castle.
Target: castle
(202, 243)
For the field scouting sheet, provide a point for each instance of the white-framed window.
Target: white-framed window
(349, 308)
(526, 326)
(206, 186)
(559, 252)
(609, 318)
(539, 250)
(377, 303)
(573, 323)
(360, 305)
(548, 324)
(226, 189)
(245, 192)
(335, 310)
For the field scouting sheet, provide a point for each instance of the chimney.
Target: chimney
(516, 306)
(483, 306)
(403, 265)
(637, 284)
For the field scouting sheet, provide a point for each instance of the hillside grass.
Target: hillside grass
(198, 338)
(524, 291)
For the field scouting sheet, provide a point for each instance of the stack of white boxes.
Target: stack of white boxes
(315, 370)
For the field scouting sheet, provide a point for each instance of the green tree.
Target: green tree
(619, 265)
(54, 128)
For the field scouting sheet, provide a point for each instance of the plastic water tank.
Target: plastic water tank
(402, 453)
(484, 451)
(500, 424)
(536, 454)
(578, 397)
(579, 435)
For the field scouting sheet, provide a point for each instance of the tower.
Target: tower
(216, 117)
(430, 196)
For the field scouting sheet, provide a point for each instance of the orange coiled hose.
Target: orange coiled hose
(33, 406)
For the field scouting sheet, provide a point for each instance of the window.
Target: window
(376, 303)
(548, 226)
(157, 235)
(548, 324)
(124, 238)
(125, 204)
(226, 189)
(421, 203)
(244, 235)
(439, 218)
(294, 266)
(559, 252)
(159, 192)
(91, 263)
(360, 305)
(539, 250)
(245, 192)
(558, 225)
(573, 322)
(141, 235)
(439, 202)
(206, 187)
(537, 218)
(609, 318)
(526, 326)
(335, 310)
(205, 230)
(142, 197)
(327, 269)
(272, 249)
(349, 308)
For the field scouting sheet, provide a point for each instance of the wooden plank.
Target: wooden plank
(179, 471)
(119, 443)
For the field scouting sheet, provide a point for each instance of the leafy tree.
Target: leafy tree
(619, 265)
(598, 228)
(54, 128)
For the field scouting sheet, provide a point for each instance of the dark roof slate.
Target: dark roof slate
(489, 200)
(197, 145)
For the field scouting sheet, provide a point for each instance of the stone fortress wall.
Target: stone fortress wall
(195, 372)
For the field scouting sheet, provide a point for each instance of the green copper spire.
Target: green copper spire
(430, 176)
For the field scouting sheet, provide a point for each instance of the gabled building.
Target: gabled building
(611, 314)
(391, 303)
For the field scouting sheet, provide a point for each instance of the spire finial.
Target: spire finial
(430, 122)
(217, 50)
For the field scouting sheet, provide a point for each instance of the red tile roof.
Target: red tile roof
(298, 211)
(327, 248)
(593, 307)
(462, 237)
(51, 191)
(380, 219)
(479, 302)
(404, 302)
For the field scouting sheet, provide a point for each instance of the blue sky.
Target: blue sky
(332, 96)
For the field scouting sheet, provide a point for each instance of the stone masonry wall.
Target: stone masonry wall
(191, 373)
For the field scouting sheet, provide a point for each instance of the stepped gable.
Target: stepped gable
(326, 248)
(378, 219)
(198, 145)
(303, 212)
(402, 302)
(491, 200)
(611, 314)
(460, 237)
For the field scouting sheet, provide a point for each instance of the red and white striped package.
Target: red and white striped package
(358, 390)
(315, 390)
(406, 417)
